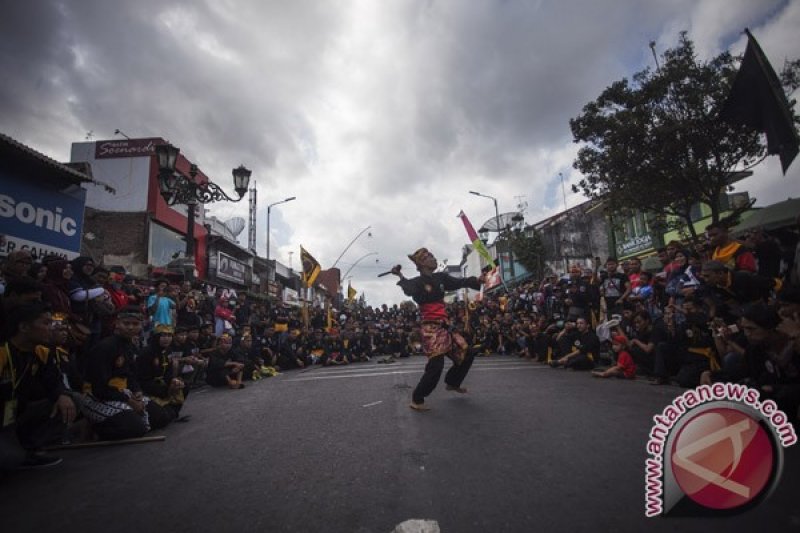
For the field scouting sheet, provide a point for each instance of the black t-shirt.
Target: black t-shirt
(613, 284)
(587, 343)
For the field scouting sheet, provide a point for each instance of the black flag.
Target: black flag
(757, 100)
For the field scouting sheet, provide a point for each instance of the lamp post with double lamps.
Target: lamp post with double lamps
(176, 189)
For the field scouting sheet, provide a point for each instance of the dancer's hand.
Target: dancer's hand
(396, 271)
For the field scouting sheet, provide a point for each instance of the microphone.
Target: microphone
(388, 271)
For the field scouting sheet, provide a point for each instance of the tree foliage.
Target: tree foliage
(655, 143)
(529, 251)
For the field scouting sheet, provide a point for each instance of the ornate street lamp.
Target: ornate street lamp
(178, 189)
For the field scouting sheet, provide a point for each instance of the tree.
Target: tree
(529, 250)
(656, 144)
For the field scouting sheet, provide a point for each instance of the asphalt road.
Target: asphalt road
(529, 448)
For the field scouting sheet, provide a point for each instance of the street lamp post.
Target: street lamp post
(497, 222)
(177, 189)
(269, 211)
(270, 270)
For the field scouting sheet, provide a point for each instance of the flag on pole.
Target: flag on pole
(757, 100)
(311, 267)
(351, 292)
(476, 242)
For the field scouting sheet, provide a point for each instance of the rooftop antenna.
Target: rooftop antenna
(563, 190)
(89, 135)
(251, 225)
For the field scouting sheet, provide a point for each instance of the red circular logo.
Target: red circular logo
(722, 458)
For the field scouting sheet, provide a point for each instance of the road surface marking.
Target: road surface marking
(373, 403)
(410, 371)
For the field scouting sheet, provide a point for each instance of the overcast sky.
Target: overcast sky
(380, 113)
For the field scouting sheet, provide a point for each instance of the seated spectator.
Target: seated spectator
(31, 388)
(223, 370)
(334, 352)
(643, 341)
(585, 349)
(685, 350)
(56, 284)
(624, 367)
(156, 374)
(772, 358)
(117, 406)
(21, 291)
(292, 353)
(727, 291)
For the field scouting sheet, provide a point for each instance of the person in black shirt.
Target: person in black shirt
(155, 371)
(117, 405)
(585, 348)
(32, 391)
(727, 292)
(223, 369)
(646, 337)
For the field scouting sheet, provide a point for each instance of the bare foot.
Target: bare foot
(460, 390)
(419, 406)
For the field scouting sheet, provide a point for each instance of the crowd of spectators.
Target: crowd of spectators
(86, 353)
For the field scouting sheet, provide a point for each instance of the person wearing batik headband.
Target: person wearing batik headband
(156, 373)
(428, 290)
(65, 356)
(117, 406)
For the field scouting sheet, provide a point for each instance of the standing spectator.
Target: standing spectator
(224, 316)
(160, 305)
(733, 254)
(767, 252)
(614, 287)
(634, 272)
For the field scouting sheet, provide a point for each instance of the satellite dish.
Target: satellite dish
(507, 220)
(235, 225)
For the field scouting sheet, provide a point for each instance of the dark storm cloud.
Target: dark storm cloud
(371, 112)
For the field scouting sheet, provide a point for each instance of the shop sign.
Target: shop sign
(634, 245)
(42, 220)
(231, 269)
(126, 148)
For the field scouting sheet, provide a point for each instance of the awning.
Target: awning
(775, 216)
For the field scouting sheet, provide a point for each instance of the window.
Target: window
(165, 245)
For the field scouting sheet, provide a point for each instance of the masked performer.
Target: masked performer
(428, 290)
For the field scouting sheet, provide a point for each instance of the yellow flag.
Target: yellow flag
(311, 267)
(351, 292)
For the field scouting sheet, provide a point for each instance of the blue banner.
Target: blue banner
(40, 217)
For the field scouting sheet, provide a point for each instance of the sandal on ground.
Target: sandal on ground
(460, 390)
(419, 406)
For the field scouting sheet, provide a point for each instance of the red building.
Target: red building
(134, 227)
